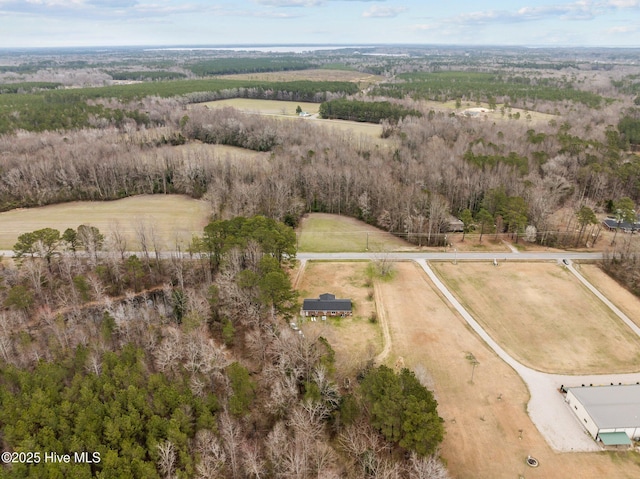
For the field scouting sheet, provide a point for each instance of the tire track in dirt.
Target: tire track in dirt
(384, 324)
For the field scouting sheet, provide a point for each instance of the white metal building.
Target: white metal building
(611, 414)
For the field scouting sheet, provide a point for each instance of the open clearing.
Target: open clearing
(544, 318)
(488, 433)
(196, 151)
(355, 339)
(265, 107)
(287, 110)
(496, 115)
(327, 233)
(311, 75)
(171, 217)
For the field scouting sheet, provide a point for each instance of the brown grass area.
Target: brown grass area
(358, 131)
(628, 303)
(354, 339)
(265, 107)
(483, 432)
(196, 151)
(312, 75)
(544, 317)
(324, 232)
(173, 217)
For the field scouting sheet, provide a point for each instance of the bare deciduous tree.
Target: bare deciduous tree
(166, 459)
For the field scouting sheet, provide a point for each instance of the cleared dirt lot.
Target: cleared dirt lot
(325, 233)
(172, 217)
(544, 317)
(488, 433)
(354, 339)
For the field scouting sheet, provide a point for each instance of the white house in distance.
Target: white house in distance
(326, 305)
(611, 414)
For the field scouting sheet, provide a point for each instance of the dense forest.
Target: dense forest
(188, 368)
(186, 363)
(366, 111)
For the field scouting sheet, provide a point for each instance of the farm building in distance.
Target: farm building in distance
(326, 305)
(611, 414)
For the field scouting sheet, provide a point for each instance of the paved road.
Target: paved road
(412, 256)
(451, 256)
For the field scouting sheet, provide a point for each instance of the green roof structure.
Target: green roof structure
(614, 439)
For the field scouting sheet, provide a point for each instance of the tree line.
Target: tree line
(438, 165)
(364, 111)
(63, 110)
(489, 87)
(195, 371)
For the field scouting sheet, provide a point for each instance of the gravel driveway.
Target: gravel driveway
(547, 408)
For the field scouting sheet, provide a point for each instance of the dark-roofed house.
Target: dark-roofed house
(611, 414)
(612, 224)
(326, 305)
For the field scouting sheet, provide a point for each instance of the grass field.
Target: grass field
(544, 317)
(171, 216)
(213, 152)
(488, 433)
(325, 233)
(265, 107)
(355, 339)
(311, 75)
(628, 303)
(287, 110)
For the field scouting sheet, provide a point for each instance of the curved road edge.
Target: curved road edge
(546, 407)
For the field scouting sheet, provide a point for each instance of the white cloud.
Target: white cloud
(581, 10)
(624, 29)
(290, 3)
(624, 3)
(378, 11)
(422, 27)
(302, 3)
(113, 3)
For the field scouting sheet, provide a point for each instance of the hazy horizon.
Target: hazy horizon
(113, 23)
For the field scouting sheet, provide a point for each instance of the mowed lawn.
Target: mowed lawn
(327, 233)
(170, 217)
(543, 316)
(488, 432)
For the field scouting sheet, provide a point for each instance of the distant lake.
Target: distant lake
(263, 48)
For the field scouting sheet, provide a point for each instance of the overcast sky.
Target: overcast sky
(39, 23)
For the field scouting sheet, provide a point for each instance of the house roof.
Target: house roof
(326, 302)
(611, 407)
(613, 223)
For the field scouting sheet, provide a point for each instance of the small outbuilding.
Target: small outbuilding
(326, 305)
(611, 414)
